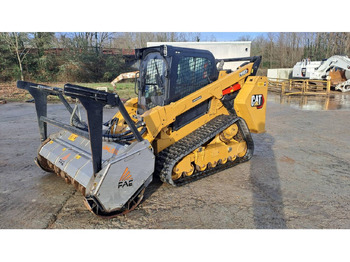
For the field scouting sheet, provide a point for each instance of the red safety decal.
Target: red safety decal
(262, 102)
(231, 89)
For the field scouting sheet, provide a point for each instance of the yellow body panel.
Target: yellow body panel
(250, 103)
(158, 119)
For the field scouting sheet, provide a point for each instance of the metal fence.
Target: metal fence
(300, 86)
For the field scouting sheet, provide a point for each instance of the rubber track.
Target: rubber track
(167, 159)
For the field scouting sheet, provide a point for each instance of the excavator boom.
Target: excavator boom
(336, 69)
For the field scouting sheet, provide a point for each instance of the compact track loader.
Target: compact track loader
(191, 119)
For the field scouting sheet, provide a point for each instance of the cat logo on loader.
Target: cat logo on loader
(257, 101)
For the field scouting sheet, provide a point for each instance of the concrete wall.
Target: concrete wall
(219, 49)
(282, 73)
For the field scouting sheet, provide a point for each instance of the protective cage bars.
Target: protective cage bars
(92, 100)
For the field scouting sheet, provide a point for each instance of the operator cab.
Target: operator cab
(169, 73)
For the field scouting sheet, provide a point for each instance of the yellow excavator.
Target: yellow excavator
(191, 119)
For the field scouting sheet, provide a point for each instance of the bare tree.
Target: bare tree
(245, 38)
(271, 39)
(16, 43)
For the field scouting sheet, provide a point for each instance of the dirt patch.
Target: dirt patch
(9, 92)
(287, 160)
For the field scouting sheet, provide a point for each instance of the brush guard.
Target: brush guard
(113, 180)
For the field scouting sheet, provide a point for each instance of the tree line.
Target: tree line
(283, 50)
(80, 56)
(74, 57)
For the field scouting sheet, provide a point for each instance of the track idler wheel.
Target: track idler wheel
(201, 168)
(190, 172)
(223, 161)
(183, 168)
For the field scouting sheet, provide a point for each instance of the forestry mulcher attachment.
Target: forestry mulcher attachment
(191, 119)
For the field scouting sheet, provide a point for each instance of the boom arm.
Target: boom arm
(342, 62)
(159, 117)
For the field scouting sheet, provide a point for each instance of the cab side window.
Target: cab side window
(153, 70)
(192, 74)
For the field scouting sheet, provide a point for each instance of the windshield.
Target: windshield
(152, 85)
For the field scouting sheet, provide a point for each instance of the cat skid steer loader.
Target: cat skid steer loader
(191, 119)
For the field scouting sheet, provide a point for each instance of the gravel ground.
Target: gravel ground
(298, 178)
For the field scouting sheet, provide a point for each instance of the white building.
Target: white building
(280, 73)
(219, 49)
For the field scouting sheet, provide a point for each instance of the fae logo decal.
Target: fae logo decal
(63, 159)
(110, 149)
(257, 101)
(125, 179)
